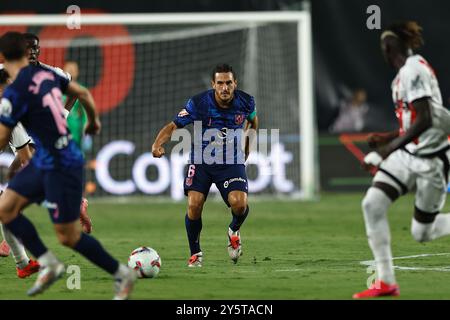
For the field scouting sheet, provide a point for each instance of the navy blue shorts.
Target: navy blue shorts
(59, 190)
(227, 177)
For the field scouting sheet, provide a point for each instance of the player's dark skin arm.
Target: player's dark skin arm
(162, 137)
(253, 124)
(23, 156)
(70, 101)
(5, 134)
(423, 122)
(86, 99)
(377, 140)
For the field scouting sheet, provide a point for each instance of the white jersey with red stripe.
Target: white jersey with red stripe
(415, 80)
(19, 138)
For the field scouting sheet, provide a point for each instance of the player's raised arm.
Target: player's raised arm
(86, 99)
(162, 137)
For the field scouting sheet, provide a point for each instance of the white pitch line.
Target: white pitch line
(288, 270)
(441, 269)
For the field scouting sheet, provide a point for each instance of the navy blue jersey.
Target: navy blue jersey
(35, 99)
(221, 127)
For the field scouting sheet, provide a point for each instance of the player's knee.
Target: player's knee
(239, 207)
(421, 231)
(68, 239)
(7, 213)
(195, 210)
(422, 225)
(238, 202)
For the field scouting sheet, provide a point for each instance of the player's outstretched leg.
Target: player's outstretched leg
(193, 229)
(193, 223)
(70, 236)
(375, 206)
(51, 269)
(429, 226)
(239, 211)
(25, 266)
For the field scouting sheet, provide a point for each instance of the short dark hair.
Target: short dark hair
(3, 77)
(409, 32)
(13, 45)
(222, 68)
(30, 37)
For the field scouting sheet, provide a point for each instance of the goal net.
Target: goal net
(142, 68)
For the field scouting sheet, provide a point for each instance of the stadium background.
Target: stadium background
(293, 249)
(346, 57)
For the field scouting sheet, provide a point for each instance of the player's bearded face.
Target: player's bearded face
(33, 51)
(224, 84)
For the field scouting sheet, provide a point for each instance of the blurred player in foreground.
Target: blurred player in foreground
(34, 50)
(20, 144)
(54, 174)
(222, 108)
(414, 158)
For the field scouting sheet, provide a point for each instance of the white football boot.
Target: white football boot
(46, 277)
(124, 284)
(196, 260)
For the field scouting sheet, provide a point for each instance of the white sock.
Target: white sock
(47, 259)
(375, 206)
(121, 272)
(429, 231)
(18, 250)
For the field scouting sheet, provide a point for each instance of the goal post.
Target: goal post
(142, 68)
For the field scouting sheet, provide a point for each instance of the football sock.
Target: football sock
(238, 220)
(24, 231)
(429, 231)
(47, 259)
(193, 229)
(92, 250)
(375, 206)
(18, 251)
(121, 272)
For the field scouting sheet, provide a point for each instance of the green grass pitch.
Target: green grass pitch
(292, 250)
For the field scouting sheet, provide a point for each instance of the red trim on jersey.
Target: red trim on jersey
(424, 62)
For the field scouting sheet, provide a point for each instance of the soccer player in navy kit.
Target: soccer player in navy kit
(223, 109)
(54, 174)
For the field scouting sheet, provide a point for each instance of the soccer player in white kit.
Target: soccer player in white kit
(415, 158)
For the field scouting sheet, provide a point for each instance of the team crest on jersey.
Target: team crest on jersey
(188, 182)
(239, 118)
(183, 113)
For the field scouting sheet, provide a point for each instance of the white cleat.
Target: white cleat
(46, 277)
(234, 245)
(196, 260)
(124, 285)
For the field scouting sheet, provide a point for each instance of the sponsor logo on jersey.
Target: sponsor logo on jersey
(417, 83)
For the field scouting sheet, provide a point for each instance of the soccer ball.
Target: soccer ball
(145, 261)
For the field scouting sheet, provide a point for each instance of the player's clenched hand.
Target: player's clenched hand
(93, 127)
(158, 151)
(371, 161)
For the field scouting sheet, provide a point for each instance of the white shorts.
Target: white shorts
(427, 176)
